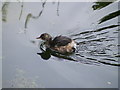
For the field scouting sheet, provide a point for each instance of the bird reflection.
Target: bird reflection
(45, 54)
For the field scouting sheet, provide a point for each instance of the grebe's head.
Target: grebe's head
(45, 36)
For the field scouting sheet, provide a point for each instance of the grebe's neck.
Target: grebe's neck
(48, 42)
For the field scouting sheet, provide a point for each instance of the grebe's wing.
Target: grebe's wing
(61, 41)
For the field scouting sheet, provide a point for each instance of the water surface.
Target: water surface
(93, 65)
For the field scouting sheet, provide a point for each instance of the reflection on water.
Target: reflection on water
(21, 10)
(100, 5)
(4, 11)
(30, 15)
(34, 17)
(110, 16)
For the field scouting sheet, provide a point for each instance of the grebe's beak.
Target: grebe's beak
(38, 38)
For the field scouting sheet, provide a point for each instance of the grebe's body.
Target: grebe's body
(61, 44)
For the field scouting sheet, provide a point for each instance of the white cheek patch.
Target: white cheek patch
(73, 44)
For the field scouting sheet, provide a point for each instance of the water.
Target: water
(93, 65)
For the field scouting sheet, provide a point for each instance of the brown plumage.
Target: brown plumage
(61, 44)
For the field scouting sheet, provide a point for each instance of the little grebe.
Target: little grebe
(61, 44)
